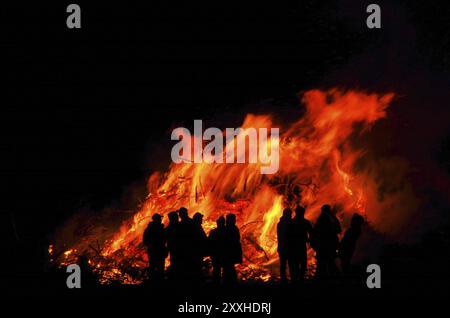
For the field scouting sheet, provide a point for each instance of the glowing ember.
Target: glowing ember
(317, 166)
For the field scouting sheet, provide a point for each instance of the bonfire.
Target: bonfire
(322, 160)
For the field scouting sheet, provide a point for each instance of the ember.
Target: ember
(318, 156)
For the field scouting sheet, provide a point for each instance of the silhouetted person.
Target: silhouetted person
(348, 242)
(326, 241)
(233, 249)
(337, 224)
(216, 248)
(285, 245)
(184, 216)
(199, 245)
(155, 240)
(302, 230)
(187, 245)
(88, 278)
(173, 245)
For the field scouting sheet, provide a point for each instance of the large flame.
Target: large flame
(318, 156)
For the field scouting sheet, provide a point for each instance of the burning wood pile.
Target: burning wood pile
(323, 159)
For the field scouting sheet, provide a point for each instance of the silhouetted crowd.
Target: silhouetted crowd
(185, 241)
(187, 244)
(294, 234)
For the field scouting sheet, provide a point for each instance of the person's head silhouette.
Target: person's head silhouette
(157, 218)
(230, 219)
(173, 217)
(326, 208)
(198, 218)
(287, 213)
(299, 211)
(357, 221)
(183, 212)
(220, 222)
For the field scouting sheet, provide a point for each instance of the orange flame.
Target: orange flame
(317, 166)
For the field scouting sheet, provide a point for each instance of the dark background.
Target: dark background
(87, 112)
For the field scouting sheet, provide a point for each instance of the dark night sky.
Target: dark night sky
(85, 113)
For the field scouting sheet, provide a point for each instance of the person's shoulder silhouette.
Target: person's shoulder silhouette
(155, 240)
(172, 228)
(233, 249)
(216, 245)
(285, 234)
(348, 243)
(284, 227)
(154, 233)
(199, 232)
(233, 237)
(303, 225)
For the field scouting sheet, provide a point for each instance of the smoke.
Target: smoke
(408, 188)
(412, 184)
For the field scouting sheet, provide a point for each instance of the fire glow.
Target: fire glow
(318, 158)
(214, 153)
